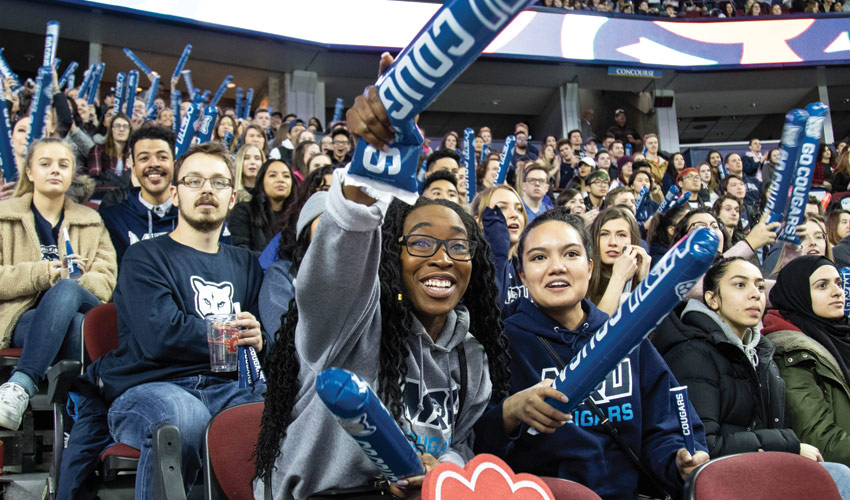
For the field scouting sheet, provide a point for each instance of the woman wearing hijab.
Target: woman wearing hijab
(812, 337)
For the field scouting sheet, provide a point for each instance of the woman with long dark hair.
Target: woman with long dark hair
(253, 223)
(107, 163)
(713, 346)
(395, 284)
(620, 262)
(549, 328)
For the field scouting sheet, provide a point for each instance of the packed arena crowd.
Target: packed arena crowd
(459, 310)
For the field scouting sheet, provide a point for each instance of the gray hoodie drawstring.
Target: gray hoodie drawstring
(150, 225)
(451, 407)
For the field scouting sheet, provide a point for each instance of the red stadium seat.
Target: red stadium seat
(229, 442)
(756, 476)
(100, 335)
(569, 490)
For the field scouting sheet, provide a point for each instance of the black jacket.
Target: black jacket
(743, 409)
(244, 232)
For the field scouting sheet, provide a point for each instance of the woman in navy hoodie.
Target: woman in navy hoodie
(555, 265)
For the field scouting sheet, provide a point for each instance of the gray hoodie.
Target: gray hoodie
(339, 325)
(752, 336)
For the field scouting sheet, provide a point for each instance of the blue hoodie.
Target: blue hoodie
(511, 288)
(129, 222)
(634, 396)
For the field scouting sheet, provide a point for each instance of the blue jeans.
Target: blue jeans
(51, 331)
(188, 403)
(841, 475)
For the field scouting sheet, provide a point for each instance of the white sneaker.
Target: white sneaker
(13, 404)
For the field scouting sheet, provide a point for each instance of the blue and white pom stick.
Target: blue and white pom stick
(51, 41)
(94, 87)
(805, 171)
(642, 198)
(182, 61)
(120, 84)
(7, 153)
(681, 200)
(845, 279)
(227, 140)
(239, 99)
(722, 170)
(338, 110)
(246, 104)
(132, 83)
(74, 271)
(668, 199)
(221, 90)
(666, 285)
(469, 162)
(176, 100)
(362, 414)
(187, 77)
(187, 130)
(783, 174)
(69, 73)
(41, 98)
(683, 411)
(448, 43)
(7, 72)
(150, 105)
(140, 64)
(506, 158)
(207, 126)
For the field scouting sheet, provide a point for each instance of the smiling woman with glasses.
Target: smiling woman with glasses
(414, 314)
(108, 163)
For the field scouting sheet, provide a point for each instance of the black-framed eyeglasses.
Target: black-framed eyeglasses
(697, 225)
(196, 182)
(420, 245)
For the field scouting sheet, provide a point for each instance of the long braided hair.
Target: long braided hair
(397, 316)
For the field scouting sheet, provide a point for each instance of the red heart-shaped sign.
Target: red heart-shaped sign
(485, 477)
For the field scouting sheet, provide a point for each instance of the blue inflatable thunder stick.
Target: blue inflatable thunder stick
(207, 126)
(140, 64)
(150, 104)
(6, 72)
(118, 106)
(176, 101)
(182, 61)
(805, 171)
(69, 73)
(338, 110)
(362, 414)
(666, 285)
(41, 98)
(506, 158)
(845, 279)
(51, 41)
(7, 154)
(783, 174)
(681, 200)
(642, 198)
(239, 99)
(187, 77)
(485, 150)
(683, 410)
(95, 83)
(221, 89)
(130, 92)
(187, 130)
(246, 104)
(668, 199)
(468, 159)
(448, 43)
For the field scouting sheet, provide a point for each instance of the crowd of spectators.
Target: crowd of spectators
(700, 8)
(458, 314)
